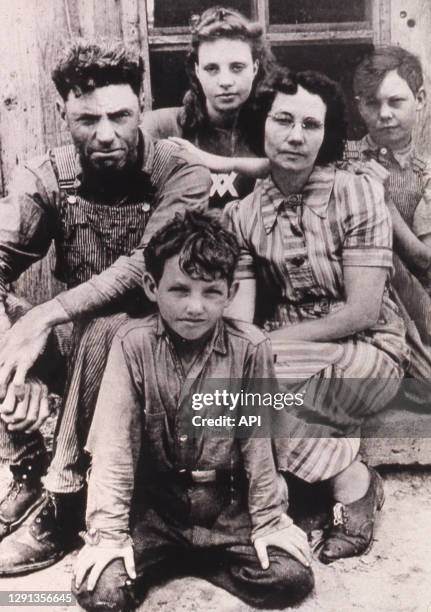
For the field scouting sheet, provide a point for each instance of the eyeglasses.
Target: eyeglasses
(287, 122)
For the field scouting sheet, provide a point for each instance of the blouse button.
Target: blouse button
(71, 199)
(383, 150)
(146, 207)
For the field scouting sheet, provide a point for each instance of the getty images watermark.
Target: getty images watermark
(244, 408)
(283, 408)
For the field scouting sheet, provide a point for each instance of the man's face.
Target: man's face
(294, 130)
(104, 127)
(226, 71)
(190, 307)
(390, 114)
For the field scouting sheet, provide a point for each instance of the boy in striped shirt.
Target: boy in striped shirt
(389, 89)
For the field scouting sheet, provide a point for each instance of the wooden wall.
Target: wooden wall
(31, 34)
(33, 31)
(411, 28)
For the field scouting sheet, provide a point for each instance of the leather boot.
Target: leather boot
(48, 534)
(351, 531)
(23, 494)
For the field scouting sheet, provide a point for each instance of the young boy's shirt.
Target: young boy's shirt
(143, 405)
(408, 181)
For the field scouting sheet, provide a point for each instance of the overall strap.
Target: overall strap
(63, 159)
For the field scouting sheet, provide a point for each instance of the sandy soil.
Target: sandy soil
(395, 575)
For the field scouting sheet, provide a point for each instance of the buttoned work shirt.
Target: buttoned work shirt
(30, 217)
(144, 406)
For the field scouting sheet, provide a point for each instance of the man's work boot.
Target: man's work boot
(23, 495)
(46, 536)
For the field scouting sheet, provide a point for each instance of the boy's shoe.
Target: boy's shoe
(351, 532)
(23, 495)
(46, 536)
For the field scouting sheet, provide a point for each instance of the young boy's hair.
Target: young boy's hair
(374, 67)
(85, 65)
(207, 250)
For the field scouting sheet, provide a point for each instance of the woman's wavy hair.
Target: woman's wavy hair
(284, 81)
(213, 24)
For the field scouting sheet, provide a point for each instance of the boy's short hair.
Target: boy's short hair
(374, 67)
(85, 65)
(207, 250)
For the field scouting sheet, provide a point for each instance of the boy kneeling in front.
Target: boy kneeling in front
(210, 503)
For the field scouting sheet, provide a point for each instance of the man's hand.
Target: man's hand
(98, 556)
(30, 413)
(291, 539)
(23, 343)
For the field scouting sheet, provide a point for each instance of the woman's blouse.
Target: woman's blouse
(297, 246)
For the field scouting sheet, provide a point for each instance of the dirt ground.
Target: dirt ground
(394, 576)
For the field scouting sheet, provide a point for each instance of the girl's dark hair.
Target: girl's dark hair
(213, 24)
(287, 82)
(207, 250)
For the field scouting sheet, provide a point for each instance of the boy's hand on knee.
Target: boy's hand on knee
(290, 539)
(96, 557)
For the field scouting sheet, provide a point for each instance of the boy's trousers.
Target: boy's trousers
(200, 529)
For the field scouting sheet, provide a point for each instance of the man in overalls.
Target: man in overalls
(99, 200)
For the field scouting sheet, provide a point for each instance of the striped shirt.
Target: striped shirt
(296, 248)
(408, 182)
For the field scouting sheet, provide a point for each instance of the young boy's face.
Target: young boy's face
(390, 114)
(190, 307)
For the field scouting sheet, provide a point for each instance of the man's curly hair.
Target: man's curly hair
(85, 65)
(207, 250)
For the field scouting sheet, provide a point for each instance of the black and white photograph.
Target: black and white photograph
(215, 305)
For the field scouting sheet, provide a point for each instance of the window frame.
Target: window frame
(375, 29)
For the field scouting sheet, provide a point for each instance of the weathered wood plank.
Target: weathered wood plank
(107, 18)
(411, 28)
(145, 50)
(22, 121)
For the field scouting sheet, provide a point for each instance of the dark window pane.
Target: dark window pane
(338, 62)
(168, 78)
(175, 13)
(315, 11)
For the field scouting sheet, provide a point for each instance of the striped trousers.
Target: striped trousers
(89, 347)
(343, 383)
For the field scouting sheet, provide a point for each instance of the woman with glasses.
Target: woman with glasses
(226, 60)
(314, 268)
